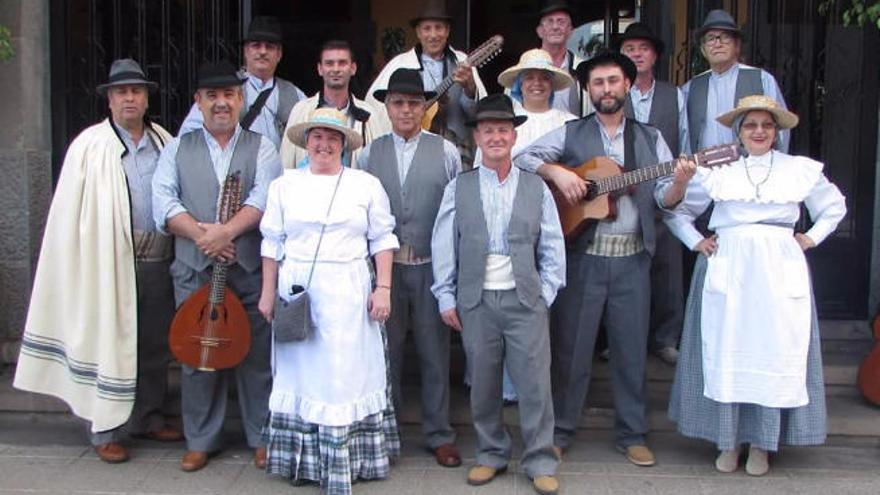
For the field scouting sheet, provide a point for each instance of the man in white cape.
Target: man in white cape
(102, 301)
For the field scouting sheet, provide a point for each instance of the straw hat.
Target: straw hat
(328, 118)
(536, 59)
(784, 118)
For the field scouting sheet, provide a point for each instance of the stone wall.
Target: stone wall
(25, 160)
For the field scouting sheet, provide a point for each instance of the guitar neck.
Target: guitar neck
(633, 177)
(441, 89)
(218, 283)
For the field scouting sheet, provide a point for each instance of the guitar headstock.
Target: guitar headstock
(716, 156)
(486, 51)
(230, 197)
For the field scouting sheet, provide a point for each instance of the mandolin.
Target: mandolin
(211, 330)
(605, 177)
(869, 371)
(476, 59)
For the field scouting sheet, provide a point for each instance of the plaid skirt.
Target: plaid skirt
(333, 456)
(731, 425)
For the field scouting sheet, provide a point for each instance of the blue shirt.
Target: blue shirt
(166, 183)
(265, 121)
(140, 165)
(497, 199)
(722, 91)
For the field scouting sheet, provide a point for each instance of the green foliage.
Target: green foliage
(7, 50)
(853, 12)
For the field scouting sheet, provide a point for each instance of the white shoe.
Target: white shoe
(727, 461)
(757, 464)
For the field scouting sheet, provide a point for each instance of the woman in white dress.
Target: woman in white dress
(750, 370)
(331, 419)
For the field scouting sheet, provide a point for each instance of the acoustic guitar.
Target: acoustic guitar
(605, 177)
(476, 59)
(211, 330)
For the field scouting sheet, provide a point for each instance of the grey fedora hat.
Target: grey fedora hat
(718, 19)
(126, 72)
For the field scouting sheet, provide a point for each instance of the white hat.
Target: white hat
(328, 118)
(536, 59)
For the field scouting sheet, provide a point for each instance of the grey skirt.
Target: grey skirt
(731, 425)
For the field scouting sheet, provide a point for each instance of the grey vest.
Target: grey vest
(575, 94)
(583, 142)
(287, 98)
(748, 82)
(663, 114)
(199, 191)
(472, 239)
(415, 205)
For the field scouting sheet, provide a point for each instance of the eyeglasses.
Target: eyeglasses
(723, 38)
(753, 126)
(410, 102)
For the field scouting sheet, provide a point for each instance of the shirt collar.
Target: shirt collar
(399, 140)
(490, 174)
(617, 133)
(258, 83)
(213, 142)
(647, 94)
(126, 137)
(728, 73)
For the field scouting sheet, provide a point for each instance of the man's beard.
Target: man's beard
(608, 108)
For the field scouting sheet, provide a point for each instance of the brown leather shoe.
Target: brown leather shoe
(111, 452)
(546, 485)
(193, 460)
(163, 434)
(638, 455)
(260, 457)
(447, 455)
(480, 475)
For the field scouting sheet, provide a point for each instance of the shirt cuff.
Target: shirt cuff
(384, 243)
(548, 294)
(271, 248)
(172, 212)
(256, 203)
(445, 302)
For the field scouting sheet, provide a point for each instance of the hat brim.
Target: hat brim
(561, 79)
(618, 39)
(784, 118)
(381, 94)
(151, 86)
(629, 67)
(517, 120)
(723, 27)
(443, 18)
(297, 134)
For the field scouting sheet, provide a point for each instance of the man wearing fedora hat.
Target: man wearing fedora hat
(662, 105)
(609, 263)
(102, 299)
(435, 60)
(554, 29)
(336, 66)
(414, 167)
(717, 90)
(268, 99)
(191, 171)
(500, 259)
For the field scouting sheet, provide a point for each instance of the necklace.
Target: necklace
(757, 185)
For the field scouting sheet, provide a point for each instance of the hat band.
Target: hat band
(494, 115)
(321, 119)
(126, 76)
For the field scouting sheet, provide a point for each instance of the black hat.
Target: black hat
(550, 6)
(264, 28)
(607, 57)
(406, 81)
(718, 19)
(220, 74)
(124, 72)
(637, 31)
(496, 107)
(434, 10)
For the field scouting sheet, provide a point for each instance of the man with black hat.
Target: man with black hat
(414, 167)
(500, 259)
(268, 99)
(435, 60)
(662, 105)
(608, 276)
(336, 66)
(717, 90)
(554, 29)
(191, 171)
(96, 331)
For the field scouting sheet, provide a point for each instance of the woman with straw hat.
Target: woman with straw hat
(331, 419)
(750, 369)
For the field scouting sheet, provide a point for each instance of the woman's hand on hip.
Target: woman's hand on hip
(707, 246)
(380, 304)
(804, 241)
(266, 305)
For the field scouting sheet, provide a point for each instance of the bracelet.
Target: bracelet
(383, 287)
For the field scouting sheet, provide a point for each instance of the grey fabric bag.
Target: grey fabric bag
(292, 321)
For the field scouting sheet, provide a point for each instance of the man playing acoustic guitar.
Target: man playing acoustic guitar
(609, 262)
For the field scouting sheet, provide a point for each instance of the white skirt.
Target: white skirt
(756, 318)
(337, 377)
